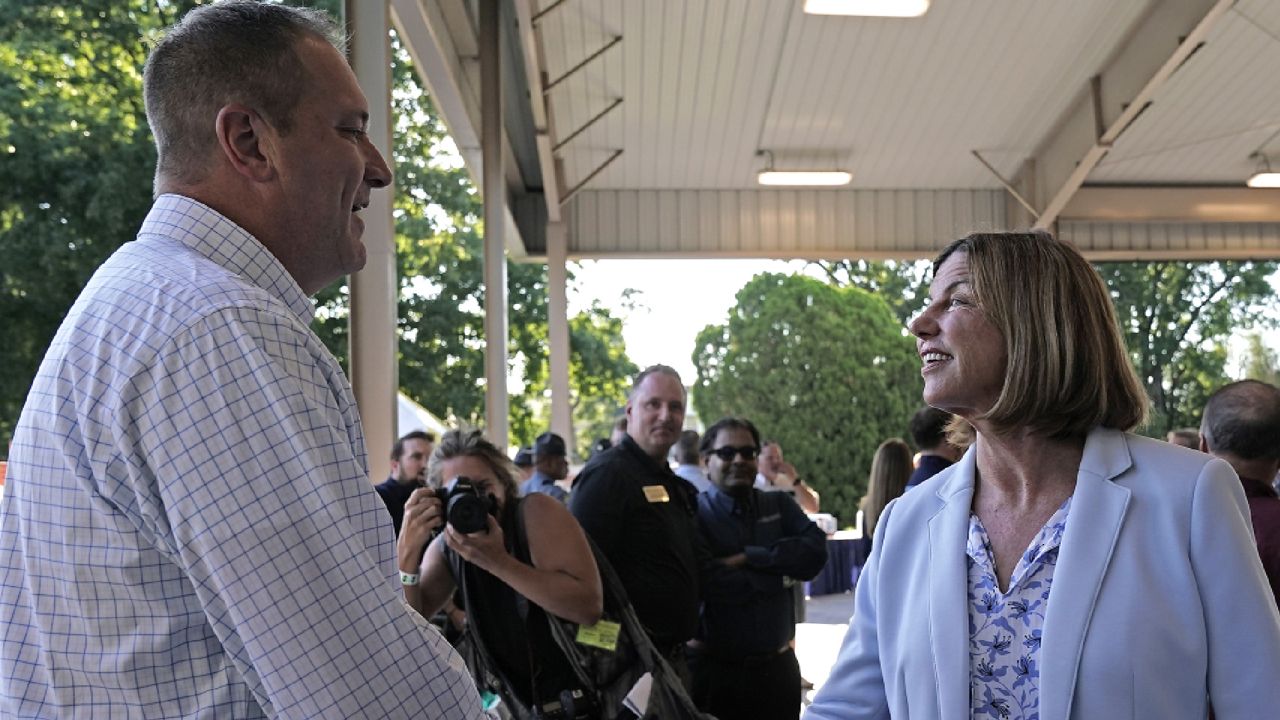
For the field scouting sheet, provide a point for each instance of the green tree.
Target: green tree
(903, 284)
(76, 163)
(828, 372)
(1177, 317)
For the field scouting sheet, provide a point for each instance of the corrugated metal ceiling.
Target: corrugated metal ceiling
(901, 102)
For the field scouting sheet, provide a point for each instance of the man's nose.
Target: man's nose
(376, 172)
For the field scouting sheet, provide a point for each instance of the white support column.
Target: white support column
(494, 192)
(558, 331)
(373, 343)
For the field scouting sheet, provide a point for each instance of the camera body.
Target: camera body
(572, 705)
(465, 507)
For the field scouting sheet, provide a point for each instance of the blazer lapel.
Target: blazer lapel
(1097, 513)
(948, 591)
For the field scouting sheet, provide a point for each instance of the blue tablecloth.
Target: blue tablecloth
(844, 560)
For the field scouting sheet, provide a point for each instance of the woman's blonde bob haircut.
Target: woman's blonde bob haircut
(1067, 370)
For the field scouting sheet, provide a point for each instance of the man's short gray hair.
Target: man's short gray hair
(654, 370)
(218, 54)
(1243, 419)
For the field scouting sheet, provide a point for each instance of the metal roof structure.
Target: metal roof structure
(1127, 125)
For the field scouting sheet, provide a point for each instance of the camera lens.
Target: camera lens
(467, 513)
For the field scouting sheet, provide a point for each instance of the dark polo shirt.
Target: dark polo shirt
(652, 544)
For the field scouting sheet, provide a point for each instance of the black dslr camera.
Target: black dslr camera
(465, 507)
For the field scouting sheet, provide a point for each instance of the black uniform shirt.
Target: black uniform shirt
(642, 516)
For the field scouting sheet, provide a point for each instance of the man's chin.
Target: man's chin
(359, 256)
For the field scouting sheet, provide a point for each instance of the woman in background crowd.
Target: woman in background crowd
(890, 470)
(1063, 568)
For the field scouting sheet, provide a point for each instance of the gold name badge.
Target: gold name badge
(656, 493)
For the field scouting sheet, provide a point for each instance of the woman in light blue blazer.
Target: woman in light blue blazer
(1064, 568)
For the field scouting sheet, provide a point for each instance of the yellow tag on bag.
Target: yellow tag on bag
(656, 493)
(603, 635)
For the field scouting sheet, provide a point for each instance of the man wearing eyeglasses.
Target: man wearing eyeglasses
(742, 662)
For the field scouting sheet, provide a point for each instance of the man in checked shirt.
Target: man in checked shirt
(189, 529)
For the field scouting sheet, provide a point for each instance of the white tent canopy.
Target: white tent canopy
(412, 416)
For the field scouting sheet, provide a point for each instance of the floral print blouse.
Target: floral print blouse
(1004, 628)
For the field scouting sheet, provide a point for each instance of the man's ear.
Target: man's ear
(243, 137)
(1204, 444)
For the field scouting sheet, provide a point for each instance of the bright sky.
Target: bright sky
(675, 299)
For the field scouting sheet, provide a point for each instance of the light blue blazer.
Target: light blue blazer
(1159, 601)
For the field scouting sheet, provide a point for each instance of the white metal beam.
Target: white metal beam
(558, 332)
(1163, 40)
(495, 207)
(1188, 204)
(1146, 223)
(373, 343)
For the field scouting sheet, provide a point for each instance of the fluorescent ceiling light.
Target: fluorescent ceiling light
(880, 8)
(804, 177)
(1265, 180)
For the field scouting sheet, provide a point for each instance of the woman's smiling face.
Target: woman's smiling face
(962, 350)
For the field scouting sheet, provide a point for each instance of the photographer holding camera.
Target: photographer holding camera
(478, 550)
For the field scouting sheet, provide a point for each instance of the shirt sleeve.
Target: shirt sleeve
(801, 551)
(1240, 611)
(260, 495)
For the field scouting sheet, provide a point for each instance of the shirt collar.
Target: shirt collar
(216, 237)
(634, 448)
(730, 504)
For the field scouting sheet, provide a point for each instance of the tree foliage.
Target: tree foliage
(1177, 318)
(76, 163)
(826, 371)
(904, 285)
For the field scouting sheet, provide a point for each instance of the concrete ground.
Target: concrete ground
(818, 638)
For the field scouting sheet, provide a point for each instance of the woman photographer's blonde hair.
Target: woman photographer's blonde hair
(1067, 370)
(472, 443)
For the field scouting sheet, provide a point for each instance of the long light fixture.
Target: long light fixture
(877, 8)
(799, 178)
(809, 178)
(1263, 177)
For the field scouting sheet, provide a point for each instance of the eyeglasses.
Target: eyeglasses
(728, 452)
